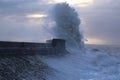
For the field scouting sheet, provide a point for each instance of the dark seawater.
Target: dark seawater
(113, 50)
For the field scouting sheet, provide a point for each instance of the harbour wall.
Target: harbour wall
(51, 47)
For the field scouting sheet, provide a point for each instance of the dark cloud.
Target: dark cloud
(12, 7)
(14, 25)
(102, 20)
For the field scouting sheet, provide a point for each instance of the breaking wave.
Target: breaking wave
(91, 65)
(66, 25)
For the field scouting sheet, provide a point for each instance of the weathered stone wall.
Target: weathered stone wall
(23, 44)
(19, 60)
(56, 46)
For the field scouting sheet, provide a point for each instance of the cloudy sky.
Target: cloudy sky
(23, 20)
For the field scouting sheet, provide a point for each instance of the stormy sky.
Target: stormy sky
(23, 20)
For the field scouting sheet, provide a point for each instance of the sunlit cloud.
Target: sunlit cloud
(94, 41)
(79, 3)
(36, 16)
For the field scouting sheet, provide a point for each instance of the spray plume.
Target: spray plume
(66, 26)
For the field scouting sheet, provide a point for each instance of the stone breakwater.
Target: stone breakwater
(51, 47)
(19, 60)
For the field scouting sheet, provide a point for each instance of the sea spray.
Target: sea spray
(66, 25)
(94, 65)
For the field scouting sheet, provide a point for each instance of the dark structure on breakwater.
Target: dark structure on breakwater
(51, 47)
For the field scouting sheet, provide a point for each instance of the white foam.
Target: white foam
(88, 66)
